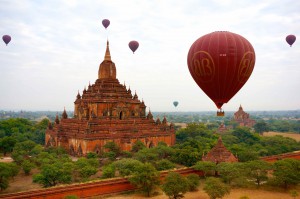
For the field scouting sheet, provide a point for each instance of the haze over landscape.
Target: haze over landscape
(57, 47)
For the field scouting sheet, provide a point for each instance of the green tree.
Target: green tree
(245, 135)
(138, 145)
(86, 167)
(55, 173)
(175, 185)
(6, 172)
(146, 177)
(287, 172)
(27, 166)
(258, 170)
(7, 144)
(108, 171)
(113, 147)
(261, 126)
(127, 166)
(206, 167)
(193, 181)
(229, 171)
(215, 188)
(164, 164)
(146, 155)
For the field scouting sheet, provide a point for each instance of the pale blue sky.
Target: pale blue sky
(57, 47)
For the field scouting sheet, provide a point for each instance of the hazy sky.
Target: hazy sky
(57, 47)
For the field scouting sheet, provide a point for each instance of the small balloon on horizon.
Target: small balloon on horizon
(290, 39)
(105, 23)
(133, 45)
(6, 39)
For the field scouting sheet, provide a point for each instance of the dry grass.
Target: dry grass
(290, 135)
(234, 194)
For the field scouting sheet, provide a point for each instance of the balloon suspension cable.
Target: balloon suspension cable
(220, 113)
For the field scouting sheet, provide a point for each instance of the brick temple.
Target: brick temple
(107, 112)
(219, 153)
(243, 118)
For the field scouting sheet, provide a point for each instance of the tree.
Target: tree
(229, 171)
(86, 167)
(138, 145)
(164, 164)
(7, 144)
(245, 135)
(146, 155)
(6, 172)
(113, 147)
(55, 173)
(127, 166)
(258, 170)
(27, 166)
(146, 177)
(108, 171)
(175, 185)
(287, 172)
(261, 126)
(206, 167)
(193, 181)
(215, 188)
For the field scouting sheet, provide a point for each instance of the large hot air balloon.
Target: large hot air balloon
(133, 45)
(175, 103)
(6, 39)
(290, 39)
(221, 63)
(105, 23)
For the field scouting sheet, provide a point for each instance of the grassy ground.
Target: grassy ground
(290, 135)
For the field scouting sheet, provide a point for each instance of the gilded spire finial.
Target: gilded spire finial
(107, 53)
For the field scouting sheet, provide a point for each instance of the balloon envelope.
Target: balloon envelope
(105, 23)
(175, 103)
(290, 39)
(6, 39)
(133, 45)
(221, 63)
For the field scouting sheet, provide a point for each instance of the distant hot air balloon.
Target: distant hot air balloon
(175, 103)
(105, 23)
(6, 39)
(133, 45)
(290, 39)
(221, 63)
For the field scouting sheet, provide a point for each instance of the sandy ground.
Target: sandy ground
(290, 135)
(234, 194)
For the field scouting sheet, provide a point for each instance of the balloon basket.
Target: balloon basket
(220, 113)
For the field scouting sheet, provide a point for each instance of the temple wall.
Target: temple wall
(84, 190)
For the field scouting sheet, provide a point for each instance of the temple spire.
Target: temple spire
(107, 53)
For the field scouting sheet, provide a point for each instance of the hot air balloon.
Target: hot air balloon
(290, 39)
(133, 45)
(175, 103)
(105, 23)
(6, 39)
(221, 63)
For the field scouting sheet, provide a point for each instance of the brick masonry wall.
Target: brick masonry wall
(84, 190)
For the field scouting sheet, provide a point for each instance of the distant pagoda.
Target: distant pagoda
(243, 118)
(219, 153)
(107, 112)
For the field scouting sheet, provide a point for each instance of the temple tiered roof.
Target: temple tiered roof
(107, 111)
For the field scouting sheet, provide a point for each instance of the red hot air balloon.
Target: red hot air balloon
(105, 23)
(221, 63)
(133, 45)
(6, 39)
(290, 39)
